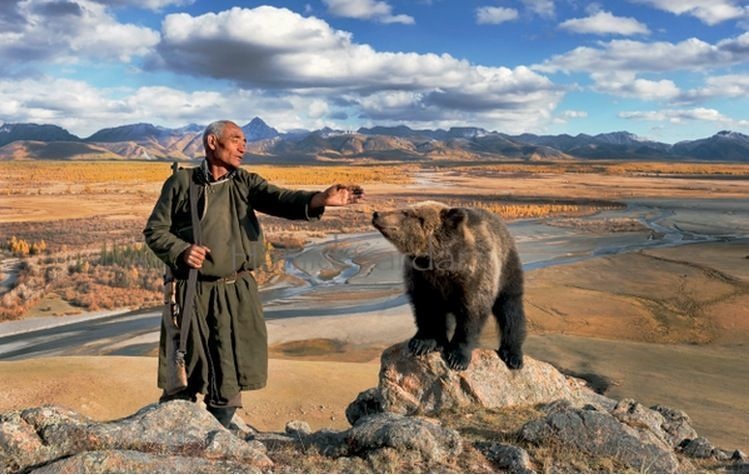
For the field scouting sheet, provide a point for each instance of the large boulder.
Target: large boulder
(426, 385)
(600, 434)
(669, 426)
(35, 437)
(131, 461)
(434, 442)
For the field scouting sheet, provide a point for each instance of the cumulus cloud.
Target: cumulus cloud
(677, 116)
(542, 8)
(366, 10)
(731, 85)
(605, 23)
(495, 15)
(628, 85)
(565, 116)
(147, 4)
(67, 31)
(710, 12)
(627, 55)
(83, 109)
(276, 49)
(573, 114)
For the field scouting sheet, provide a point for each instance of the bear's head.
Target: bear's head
(424, 229)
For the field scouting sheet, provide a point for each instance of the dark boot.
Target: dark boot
(223, 414)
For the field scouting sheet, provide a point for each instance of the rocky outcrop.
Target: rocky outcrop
(600, 434)
(432, 441)
(418, 419)
(629, 434)
(35, 438)
(426, 385)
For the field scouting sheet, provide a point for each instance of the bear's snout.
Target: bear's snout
(380, 222)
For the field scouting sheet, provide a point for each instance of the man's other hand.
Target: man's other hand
(194, 255)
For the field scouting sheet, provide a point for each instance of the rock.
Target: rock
(368, 402)
(738, 456)
(239, 428)
(297, 428)
(275, 441)
(722, 455)
(509, 458)
(601, 434)
(647, 422)
(424, 384)
(677, 425)
(130, 461)
(435, 443)
(328, 442)
(34, 437)
(699, 448)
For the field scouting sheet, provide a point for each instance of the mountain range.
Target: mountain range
(151, 142)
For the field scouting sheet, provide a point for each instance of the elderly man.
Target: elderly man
(227, 343)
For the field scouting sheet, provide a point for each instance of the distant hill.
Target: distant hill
(34, 149)
(614, 145)
(731, 146)
(256, 130)
(398, 143)
(44, 133)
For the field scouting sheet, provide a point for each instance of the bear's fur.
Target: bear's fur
(460, 265)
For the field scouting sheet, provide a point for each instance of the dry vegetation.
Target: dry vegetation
(55, 177)
(481, 431)
(610, 168)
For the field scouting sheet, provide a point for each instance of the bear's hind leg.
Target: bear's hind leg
(508, 310)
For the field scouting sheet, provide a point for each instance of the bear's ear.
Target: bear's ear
(454, 217)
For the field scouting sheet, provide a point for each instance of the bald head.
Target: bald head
(216, 129)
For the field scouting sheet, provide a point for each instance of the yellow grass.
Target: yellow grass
(530, 210)
(613, 168)
(44, 177)
(324, 175)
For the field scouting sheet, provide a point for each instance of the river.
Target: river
(351, 274)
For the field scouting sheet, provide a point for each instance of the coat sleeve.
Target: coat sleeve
(158, 232)
(282, 202)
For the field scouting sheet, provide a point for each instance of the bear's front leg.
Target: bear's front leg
(468, 327)
(431, 324)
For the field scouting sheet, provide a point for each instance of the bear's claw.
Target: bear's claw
(513, 360)
(422, 346)
(457, 359)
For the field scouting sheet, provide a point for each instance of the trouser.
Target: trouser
(222, 411)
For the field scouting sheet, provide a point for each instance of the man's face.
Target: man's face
(228, 149)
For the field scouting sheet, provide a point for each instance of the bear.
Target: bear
(460, 265)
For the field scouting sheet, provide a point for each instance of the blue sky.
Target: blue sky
(668, 70)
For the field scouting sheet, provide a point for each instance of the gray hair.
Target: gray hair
(215, 128)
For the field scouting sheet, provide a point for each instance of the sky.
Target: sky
(666, 70)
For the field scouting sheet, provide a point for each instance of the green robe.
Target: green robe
(227, 348)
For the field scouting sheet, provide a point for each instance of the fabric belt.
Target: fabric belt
(229, 279)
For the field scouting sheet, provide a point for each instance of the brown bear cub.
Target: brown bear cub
(460, 265)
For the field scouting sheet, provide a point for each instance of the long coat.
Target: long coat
(227, 349)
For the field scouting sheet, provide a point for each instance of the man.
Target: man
(227, 342)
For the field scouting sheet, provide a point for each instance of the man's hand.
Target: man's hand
(194, 255)
(338, 195)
